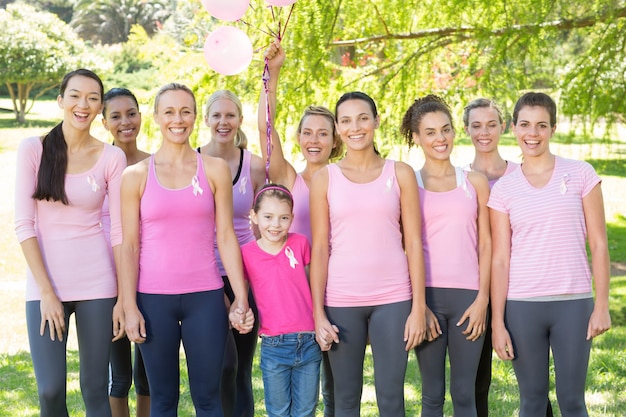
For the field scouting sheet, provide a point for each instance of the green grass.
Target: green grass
(606, 380)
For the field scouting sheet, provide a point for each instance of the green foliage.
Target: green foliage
(110, 21)
(398, 50)
(36, 50)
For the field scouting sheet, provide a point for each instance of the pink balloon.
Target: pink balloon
(280, 2)
(228, 50)
(230, 10)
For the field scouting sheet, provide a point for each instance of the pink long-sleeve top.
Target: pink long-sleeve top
(71, 238)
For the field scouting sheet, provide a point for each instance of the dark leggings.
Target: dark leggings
(384, 324)
(198, 320)
(328, 386)
(94, 329)
(123, 372)
(483, 377)
(449, 304)
(236, 384)
(537, 327)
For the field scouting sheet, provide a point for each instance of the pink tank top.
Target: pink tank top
(367, 264)
(177, 234)
(450, 235)
(243, 197)
(301, 212)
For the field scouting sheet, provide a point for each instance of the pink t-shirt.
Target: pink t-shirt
(367, 264)
(280, 286)
(177, 232)
(243, 197)
(73, 245)
(548, 231)
(450, 235)
(301, 212)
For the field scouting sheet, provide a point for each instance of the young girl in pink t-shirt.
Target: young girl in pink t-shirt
(542, 215)
(276, 265)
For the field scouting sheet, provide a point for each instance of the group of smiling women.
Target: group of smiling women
(446, 261)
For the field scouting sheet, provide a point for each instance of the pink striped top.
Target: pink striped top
(548, 232)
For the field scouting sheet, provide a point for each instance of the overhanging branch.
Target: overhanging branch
(562, 24)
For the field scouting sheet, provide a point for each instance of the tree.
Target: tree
(110, 21)
(397, 50)
(36, 50)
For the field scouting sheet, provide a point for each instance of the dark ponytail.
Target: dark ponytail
(53, 166)
(51, 174)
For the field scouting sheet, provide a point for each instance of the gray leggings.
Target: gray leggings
(449, 304)
(384, 324)
(535, 327)
(94, 328)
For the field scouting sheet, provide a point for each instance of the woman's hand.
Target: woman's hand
(476, 316)
(135, 325)
(599, 322)
(502, 344)
(118, 322)
(275, 55)
(415, 329)
(53, 315)
(241, 317)
(433, 328)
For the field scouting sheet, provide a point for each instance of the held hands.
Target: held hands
(118, 322)
(433, 330)
(325, 334)
(241, 317)
(53, 315)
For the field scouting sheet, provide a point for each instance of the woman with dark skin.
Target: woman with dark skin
(121, 117)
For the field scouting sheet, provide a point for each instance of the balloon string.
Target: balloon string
(268, 119)
(286, 22)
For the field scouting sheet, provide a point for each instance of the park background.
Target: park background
(395, 50)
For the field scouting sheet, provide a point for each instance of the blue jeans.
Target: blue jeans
(291, 374)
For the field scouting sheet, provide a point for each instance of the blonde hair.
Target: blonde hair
(173, 87)
(326, 113)
(241, 140)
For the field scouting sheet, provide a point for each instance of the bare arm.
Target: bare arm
(133, 184)
(280, 171)
(325, 332)
(477, 312)
(501, 244)
(218, 176)
(593, 207)
(411, 218)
